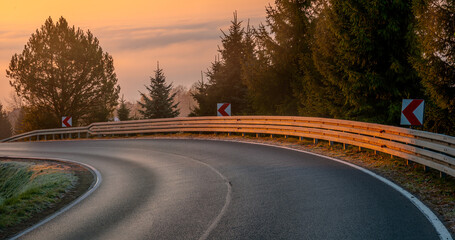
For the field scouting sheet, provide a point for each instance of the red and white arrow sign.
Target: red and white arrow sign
(223, 109)
(412, 112)
(67, 121)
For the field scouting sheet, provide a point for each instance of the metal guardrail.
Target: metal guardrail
(429, 149)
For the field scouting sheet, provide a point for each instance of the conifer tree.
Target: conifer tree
(282, 47)
(159, 103)
(225, 76)
(199, 93)
(123, 112)
(436, 61)
(365, 52)
(226, 80)
(5, 125)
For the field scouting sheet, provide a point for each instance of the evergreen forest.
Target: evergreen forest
(351, 60)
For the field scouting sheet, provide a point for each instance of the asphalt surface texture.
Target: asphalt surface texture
(201, 189)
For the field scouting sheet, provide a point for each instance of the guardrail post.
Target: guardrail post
(425, 168)
(315, 141)
(229, 134)
(45, 137)
(330, 143)
(69, 135)
(360, 148)
(30, 139)
(442, 174)
(300, 138)
(257, 135)
(61, 136)
(79, 135)
(87, 135)
(53, 136)
(271, 135)
(344, 146)
(243, 134)
(37, 138)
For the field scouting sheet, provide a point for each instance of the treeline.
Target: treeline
(339, 59)
(352, 60)
(63, 71)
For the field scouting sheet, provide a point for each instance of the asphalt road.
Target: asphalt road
(196, 189)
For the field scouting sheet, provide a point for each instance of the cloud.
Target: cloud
(13, 39)
(184, 48)
(127, 38)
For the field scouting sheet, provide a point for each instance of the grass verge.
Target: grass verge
(31, 189)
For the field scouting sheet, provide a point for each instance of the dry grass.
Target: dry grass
(29, 188)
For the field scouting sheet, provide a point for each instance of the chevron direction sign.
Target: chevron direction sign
(67, 121)
(223, 109)
(412, 112)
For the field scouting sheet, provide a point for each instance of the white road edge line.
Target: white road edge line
(434, 220)
(92, 188)
(442, 231)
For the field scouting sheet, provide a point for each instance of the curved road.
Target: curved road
(196, 189)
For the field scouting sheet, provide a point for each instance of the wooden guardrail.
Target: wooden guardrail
(429, 149)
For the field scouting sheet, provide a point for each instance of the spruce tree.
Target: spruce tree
(5, 125)
(365, 52)
(159, 103)
(225, 76)
(123, 112)
(282, 46)
(199, 93)
(226, 83)
(435, 62)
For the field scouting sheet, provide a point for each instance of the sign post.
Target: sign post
(67, 121)
(412, 112)
(223, 109)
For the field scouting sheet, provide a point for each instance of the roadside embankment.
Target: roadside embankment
(30, 190)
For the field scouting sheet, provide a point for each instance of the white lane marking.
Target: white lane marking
(92, 188)
(226, 203)
(434, 220)
(227, 200)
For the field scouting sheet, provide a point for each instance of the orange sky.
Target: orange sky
(182, 35)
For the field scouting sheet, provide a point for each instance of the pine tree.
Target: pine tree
(282, 46)
(123, 112)
(160, 103)
(199, 93)
(5, 125)
(435, 62)
(226, 81)
(365, 53)
(225, 76)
